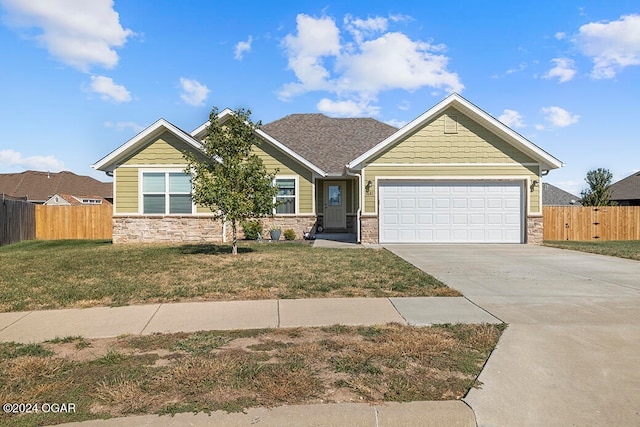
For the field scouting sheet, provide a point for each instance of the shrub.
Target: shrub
(251, 229)
(289, 234)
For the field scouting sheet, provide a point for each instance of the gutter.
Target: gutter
(360, 204)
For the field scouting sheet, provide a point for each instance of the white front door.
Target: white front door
(335, 211)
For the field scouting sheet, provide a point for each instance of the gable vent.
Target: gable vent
(450, 124)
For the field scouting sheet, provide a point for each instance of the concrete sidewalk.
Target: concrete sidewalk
(104, 322)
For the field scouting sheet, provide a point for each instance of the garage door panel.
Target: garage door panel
(443, 212)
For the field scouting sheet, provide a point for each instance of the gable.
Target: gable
(451, 138)
(165, 149)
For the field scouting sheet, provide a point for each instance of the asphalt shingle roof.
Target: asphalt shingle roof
(554, 196)
(329, 143)
(40, 186)
(627, 188)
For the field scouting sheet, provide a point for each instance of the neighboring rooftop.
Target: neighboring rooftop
(554, 196)
(38, 187)
(627, 189)
(329, 143)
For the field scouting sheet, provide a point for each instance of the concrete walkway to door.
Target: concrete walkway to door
(571, 353)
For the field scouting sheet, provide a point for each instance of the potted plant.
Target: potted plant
(275, 233)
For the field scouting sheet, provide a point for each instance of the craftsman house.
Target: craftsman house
(454, 174)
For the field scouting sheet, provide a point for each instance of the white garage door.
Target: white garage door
(478, 212)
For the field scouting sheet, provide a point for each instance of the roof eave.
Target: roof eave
(111, 161)
(546, 160)
(291, 153)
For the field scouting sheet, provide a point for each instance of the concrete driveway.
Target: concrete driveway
(571, 353)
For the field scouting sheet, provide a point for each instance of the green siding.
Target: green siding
(163, 150)
(275, 159)
(126, 196)
(372, 172)
(471, 144)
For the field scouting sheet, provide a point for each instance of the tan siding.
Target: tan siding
(372, 172)
(165, 149)
(274, 159)
(471, 144)
(126, 186)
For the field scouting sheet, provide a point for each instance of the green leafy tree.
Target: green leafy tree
(597, 194)
(229, 179)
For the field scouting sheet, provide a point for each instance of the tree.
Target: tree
(229, 179)
(597, 194)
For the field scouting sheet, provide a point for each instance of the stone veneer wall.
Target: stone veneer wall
(166, 229)
(369, 229)
(299, 224)
(535, 229)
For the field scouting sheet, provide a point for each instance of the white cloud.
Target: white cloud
(560, 35)
(359, 67)
(120, 126)
(79, 33)
(564, 70)
(316, 39)
(193, 92)
(559, 117)
(109, 90)
(12, 158)
(393, 61)
(347, 108)
(511, 118)
(241, 48)
(611, 45)
(360, 28)
(396, 123)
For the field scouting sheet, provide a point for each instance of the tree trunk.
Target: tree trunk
(234, 239)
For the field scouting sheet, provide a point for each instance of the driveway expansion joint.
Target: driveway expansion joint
(16, 321)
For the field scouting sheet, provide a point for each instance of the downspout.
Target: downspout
(360, 194)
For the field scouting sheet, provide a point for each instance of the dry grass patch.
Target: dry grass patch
(233, 370)
(60, 274)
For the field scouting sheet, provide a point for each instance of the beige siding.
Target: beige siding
(372, 172)
(471, 144)
(126, 186)
(274, 159)
(164, 150)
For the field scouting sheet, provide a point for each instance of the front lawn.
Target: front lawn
(66, 273)
(232, 370)
(618, 248)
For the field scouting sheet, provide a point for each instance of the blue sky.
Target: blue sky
(79, 78)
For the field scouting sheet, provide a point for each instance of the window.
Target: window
(166, 193)
(286, 195)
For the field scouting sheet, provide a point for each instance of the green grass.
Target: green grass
(267, 367)
(619, 248)
(80, 273)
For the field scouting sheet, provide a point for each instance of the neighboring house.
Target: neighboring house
(38, 187)
(554, 196)
(454, 174)
(69, 200)
(626, 192)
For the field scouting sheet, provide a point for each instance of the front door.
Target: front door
(335, 211)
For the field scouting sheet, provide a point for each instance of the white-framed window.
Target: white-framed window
(287, 195)
(166, 192)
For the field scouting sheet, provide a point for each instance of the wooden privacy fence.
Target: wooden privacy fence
(591, 223)
(17, 221)
(74, 222)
